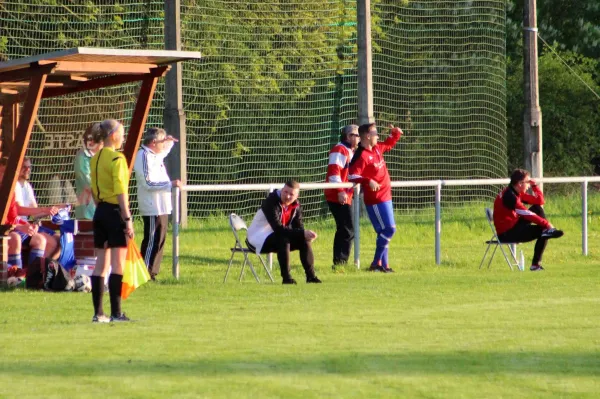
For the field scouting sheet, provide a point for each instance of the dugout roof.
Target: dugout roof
(29, 80)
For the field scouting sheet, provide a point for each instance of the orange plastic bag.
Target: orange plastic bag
(135, 272)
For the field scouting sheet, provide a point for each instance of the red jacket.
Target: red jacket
(337, 171)
(13, 213)
(509, 208)
(369, 165)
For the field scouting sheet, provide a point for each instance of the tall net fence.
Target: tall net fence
(29, 27)
(277, 82)
(267, 103)
(439, 71)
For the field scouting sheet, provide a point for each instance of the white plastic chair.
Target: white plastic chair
(495, 241)
(237, 224)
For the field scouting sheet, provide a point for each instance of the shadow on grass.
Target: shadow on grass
(461, 363)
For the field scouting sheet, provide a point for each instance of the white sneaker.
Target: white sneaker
(101, 318)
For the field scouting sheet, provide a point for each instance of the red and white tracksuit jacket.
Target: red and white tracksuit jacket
(509, 208)
(369, 165)
(337, 171)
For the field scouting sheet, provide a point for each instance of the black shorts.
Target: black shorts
(109, 226)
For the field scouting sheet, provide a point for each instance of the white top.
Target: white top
(153, 182)
(24, 194)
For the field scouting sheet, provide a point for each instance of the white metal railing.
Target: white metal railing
(436, 184)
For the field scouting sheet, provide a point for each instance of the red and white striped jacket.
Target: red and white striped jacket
(337, 171)
(509, 208)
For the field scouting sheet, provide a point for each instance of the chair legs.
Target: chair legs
(480, 264)
(266, 268)
(250, 265)
(246, 260)
(229, 265)
(513, 252)
(512, 248)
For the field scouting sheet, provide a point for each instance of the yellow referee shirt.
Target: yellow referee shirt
(110, 175)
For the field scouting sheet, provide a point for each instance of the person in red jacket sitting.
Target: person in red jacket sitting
(515, 223)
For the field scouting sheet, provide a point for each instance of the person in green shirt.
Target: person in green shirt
(85, 202)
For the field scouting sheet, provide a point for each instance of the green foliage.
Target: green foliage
(570, 121)
(572, 24)
(58, 24)
(570, 114)
(273, 60)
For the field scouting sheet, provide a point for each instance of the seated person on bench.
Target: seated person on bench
(24, 232)
(515, 223)
(25, 198)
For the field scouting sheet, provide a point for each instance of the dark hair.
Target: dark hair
(105, 129)
(292, 184)
(364, 129)
(91, 132)
(152, 134)
(518, 175)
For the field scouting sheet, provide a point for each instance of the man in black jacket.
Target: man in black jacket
(277, 227)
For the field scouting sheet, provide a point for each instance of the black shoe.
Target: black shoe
(536, 268)
(388, 270)
(289, 281)
(376, 268)
(552, 233)
(313, 279)
(119, 319)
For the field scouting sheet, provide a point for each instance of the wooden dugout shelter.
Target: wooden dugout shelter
(29, 80)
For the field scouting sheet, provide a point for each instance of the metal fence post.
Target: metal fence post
(438, 223)
(175, 222)
(584, 218)
(270, 255)
(356, 224)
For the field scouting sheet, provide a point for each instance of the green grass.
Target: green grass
(426, 331)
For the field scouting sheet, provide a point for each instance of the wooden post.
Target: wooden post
(365, 61)
(174, 115)
(10, 120)
(140, 114)
(532, 121)
(23, 133)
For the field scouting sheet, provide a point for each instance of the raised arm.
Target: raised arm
(536, 199)
(392, 139)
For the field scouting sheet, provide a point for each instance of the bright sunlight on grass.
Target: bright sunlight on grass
(425, 331)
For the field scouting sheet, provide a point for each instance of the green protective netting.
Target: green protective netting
(278, 80)
(439, 72)
(29, 27)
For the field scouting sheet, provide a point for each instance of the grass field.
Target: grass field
(425, 331)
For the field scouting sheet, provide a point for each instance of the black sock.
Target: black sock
(97, 293)
(115, 283)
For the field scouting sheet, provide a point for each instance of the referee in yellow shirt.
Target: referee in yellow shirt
(112, 220)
